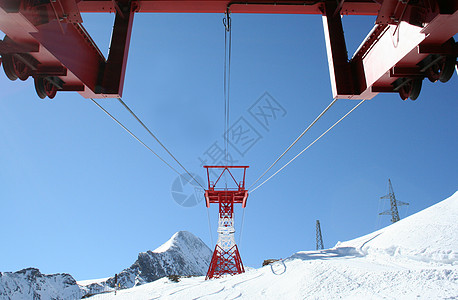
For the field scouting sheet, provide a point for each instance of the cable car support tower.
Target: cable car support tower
(226, 257)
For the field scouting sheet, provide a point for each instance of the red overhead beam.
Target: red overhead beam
(351, 7)
(410, 41)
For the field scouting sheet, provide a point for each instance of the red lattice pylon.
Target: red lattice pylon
(226, 257)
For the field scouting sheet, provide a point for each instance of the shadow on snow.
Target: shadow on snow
(341, 252)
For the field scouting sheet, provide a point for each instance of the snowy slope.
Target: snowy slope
(429, 235)
(31, 284)
(416, 258)
(184, 254)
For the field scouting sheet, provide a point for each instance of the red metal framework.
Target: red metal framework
(226, 257)
(214, 194)
(225, 262)
(411, 40)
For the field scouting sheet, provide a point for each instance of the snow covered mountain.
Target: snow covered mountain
(184, 254)
(31, 284)
(415, 258)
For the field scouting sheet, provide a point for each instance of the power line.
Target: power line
(157, 140)
(308, 146)
(297, 139)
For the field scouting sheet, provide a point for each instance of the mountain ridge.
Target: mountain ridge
(183, 254)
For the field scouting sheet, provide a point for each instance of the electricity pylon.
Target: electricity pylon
(394, 204)
(319, 238)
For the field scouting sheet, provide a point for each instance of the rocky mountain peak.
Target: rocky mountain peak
(183, 254)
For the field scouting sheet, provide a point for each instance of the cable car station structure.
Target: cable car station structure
(411, 40)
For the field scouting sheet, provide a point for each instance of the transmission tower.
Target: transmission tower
(319, 238)
(394, 204)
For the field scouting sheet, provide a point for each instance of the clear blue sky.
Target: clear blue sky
(79, 195)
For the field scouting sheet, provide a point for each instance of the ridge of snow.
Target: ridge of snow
(176, 241)
(164, 247)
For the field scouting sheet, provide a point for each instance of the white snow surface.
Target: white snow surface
(415, 258)
(430, 235)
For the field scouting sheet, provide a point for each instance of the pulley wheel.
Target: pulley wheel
(442, 70)
(448, 68)
(13, 67)
(20, 69)
(434, 72)
(8, 67)
(45, 88)
(411, 89)
(416, 88)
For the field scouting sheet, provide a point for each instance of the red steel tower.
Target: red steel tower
(226, 257)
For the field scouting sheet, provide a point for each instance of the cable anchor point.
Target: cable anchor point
(227, 20)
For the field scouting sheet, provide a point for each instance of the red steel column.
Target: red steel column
(112, 81)
(339, 68)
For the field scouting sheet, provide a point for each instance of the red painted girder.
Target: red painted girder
(223, 167)
(60, 45)
(226, 196)
(400, 48)
(73, 51)
(216, 196)
(342, 81)
(112, 83)
(350, 7)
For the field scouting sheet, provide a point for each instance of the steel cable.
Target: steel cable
(227, 79)
(141, 142)
(157, 140)
(297, 139)
(135, 137)
(284, 166)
